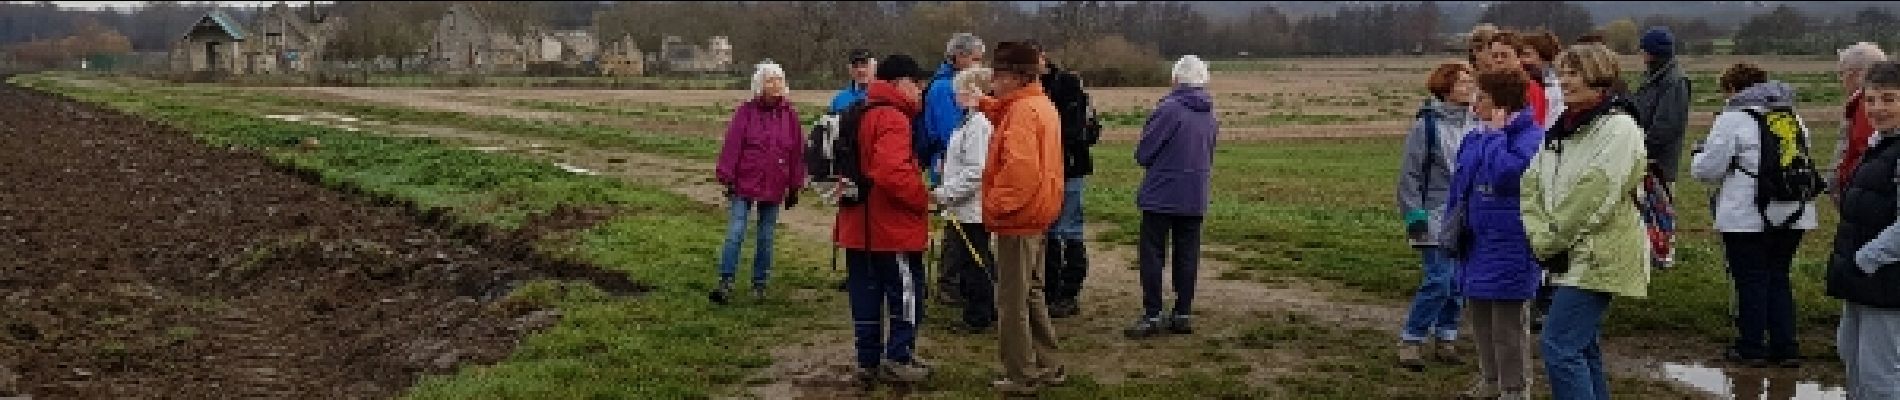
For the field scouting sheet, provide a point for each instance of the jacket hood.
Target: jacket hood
(886, 92)
(1662, 68)
(944, 71)
(1194, 98)
(1523, 121)
(1573, 121)
(1765, 94)
(769, 103)
(1446, 111)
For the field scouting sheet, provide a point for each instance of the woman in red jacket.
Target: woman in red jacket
(762, 166)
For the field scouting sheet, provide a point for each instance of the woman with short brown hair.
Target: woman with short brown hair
(1424, 182)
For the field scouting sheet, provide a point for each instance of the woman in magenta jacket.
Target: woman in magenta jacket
(761, 165)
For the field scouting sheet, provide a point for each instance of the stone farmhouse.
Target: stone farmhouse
(280, 40)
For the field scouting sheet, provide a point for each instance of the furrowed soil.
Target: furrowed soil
(143, 264)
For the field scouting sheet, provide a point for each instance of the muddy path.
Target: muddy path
(144, 264)
(818, 366)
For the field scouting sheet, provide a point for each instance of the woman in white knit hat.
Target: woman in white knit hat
(761, 165)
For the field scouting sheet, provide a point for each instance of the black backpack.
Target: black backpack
(1787, 173)
(846, 161)
(1074, 108)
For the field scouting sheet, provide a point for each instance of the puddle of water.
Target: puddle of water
(574, 169)
(489, 149)
(283, 117)
(1751, 384)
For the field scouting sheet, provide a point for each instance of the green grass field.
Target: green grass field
(1317, 208)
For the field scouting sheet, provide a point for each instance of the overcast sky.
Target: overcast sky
(123, 4)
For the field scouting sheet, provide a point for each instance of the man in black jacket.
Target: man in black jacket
(1066, 259)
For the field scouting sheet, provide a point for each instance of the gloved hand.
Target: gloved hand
(1417, 221)
(1557, 263)
(1866, 261)
(791, 199)
(729, 191)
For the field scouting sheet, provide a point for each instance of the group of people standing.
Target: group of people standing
(997, 142)
(1522, 188)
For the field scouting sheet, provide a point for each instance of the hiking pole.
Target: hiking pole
(967, 245)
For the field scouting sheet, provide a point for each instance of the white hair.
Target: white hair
(1191, 71)
(963, 43)
(1861, 55)
(764, 70)
(971, 80)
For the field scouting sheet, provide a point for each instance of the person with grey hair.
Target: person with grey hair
(1861, 271)
(762, 166)
(942, 116)
(967, 250)
(1177, 151)
(1855, 129)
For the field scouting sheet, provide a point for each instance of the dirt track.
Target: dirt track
(146, 265)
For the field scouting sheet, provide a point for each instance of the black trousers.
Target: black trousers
(1158, 232)
(1759, 263)
(974, 281)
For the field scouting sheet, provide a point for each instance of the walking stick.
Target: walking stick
(967, 245)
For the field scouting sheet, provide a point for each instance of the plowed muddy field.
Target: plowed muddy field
(143, 264)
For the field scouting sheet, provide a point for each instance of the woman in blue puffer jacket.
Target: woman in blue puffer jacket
(1497, 272)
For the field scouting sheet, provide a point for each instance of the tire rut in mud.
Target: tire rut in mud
(143, 264)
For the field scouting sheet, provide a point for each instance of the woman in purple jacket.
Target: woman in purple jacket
(762, 167)
(1177, 150)
(1497, 272)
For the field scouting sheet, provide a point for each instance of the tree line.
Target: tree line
(1123, 40)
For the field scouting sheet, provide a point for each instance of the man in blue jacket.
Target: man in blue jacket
(863, 64)
(942, 116)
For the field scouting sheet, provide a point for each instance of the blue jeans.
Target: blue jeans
(1068, 225)
(1573, 358)
(883, 283)
(735, 236)
(1436, 306)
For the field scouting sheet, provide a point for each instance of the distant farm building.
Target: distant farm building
(679, 56)
(623, 58)
(465, 42)
(280, 40)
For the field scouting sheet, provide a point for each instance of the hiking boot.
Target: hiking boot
(1180, 324)
(911, 372)
(1144, 328)
(1515, 395)
(1411, 355)
(1735, 356)
(1012, 388)
(1481, 389)
(1791, 362)
(723, 294)
(758, 290)
(970, 329)
(865, 378)
(1053, 377)
(1446, 351)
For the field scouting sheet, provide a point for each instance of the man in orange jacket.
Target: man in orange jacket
(884, 237)
(1022, 195)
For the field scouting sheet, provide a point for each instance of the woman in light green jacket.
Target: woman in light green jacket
(1582, 220)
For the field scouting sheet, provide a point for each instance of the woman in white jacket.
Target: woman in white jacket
(968, 248)
(1760, 246)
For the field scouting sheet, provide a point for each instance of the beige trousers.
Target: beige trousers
(1028, 339)
(1502, 329)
